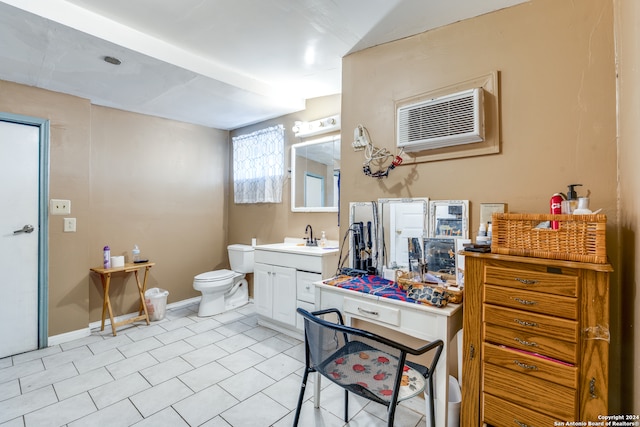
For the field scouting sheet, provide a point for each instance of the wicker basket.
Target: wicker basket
(579, 238)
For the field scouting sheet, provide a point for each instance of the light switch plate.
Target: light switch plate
(69, 225)
(59, 207)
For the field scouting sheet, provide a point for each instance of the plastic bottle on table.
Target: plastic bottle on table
(106, 257)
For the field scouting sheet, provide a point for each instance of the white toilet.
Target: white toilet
(223, 290)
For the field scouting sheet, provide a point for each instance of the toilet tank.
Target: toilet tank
(241, 258)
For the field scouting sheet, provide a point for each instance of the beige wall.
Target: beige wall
(131, 179)
(627, 18)
(558, 117)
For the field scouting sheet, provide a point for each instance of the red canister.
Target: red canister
(555, 208)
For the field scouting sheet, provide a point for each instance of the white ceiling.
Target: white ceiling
(219, 63)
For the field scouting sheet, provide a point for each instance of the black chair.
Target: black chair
(364, 363)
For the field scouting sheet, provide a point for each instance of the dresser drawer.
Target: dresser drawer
(500, 413)
(534, 366)
(532, 341)
(371, 310)
(536, 302)
(530, 322)
(532, 280)
(531, 393)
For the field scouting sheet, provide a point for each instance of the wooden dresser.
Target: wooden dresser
(536, 341)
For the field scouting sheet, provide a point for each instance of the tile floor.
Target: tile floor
(181, 371)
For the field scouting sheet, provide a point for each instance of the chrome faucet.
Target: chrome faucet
(310, 240)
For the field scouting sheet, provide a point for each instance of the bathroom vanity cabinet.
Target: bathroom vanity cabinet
(283, 281)
(536, 341)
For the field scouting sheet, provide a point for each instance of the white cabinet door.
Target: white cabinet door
(284, 295)
(262, 289)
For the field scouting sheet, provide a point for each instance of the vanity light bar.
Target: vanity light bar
(316, 127)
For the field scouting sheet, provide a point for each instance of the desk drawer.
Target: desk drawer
(531, 393)
(534, 366)
(500, 413)
(536, 302)
(558, 284)
(532, 341)
(371, 310)
(530, 322)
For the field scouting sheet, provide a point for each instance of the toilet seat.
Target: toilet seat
(216, 276)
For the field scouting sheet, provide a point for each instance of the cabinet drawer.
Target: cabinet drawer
(304, 285)
(530, 322)
(532, 341)
(534, 366)
(558, 284)
(500, 413)
(537, 302)
(531, 393)
(373, 311)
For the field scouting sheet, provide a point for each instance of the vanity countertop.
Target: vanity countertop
(297, 246)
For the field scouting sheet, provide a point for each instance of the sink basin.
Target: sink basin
(298, 248)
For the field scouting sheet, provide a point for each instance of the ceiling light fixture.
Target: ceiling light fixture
(112, 60)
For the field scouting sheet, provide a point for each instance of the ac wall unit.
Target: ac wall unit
(441, 122)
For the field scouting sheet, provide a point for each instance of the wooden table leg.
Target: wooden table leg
(141, 290)
(106, 281)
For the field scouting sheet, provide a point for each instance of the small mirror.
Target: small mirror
(449, 218)
(315, 175)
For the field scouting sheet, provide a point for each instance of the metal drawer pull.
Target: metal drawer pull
(527, 343)
(521, 424)
(524, 301)
(524, 323)
(526, 281)
(592, 388)
(525, 366)
(362, 310)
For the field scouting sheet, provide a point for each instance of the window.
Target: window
(258, 166)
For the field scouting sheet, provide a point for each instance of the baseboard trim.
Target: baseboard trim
(85, 332)
(68, 336)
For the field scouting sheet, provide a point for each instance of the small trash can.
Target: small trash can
(453, 406)
(156, 301)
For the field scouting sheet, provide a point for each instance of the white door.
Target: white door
(19, 192)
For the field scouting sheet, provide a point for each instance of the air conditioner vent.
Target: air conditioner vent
(441, 122)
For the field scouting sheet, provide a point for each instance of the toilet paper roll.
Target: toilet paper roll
(117, 261)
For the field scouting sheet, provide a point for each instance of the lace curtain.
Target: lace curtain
(258, 166)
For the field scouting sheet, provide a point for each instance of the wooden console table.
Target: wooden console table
(105, 277)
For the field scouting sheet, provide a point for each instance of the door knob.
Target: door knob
(26, 229)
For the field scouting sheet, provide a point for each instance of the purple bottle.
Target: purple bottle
(106, 256)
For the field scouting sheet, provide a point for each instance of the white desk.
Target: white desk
(416, 320)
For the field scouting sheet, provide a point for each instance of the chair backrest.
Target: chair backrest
(359, 361)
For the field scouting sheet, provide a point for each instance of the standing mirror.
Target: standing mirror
(402, 220)
(315, 175)
(449, 218)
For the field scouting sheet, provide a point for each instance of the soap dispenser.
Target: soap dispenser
(572, 196)
(323, 240)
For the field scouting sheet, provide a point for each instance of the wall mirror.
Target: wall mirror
(315, 175)
(401, 220)
(449, 218)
